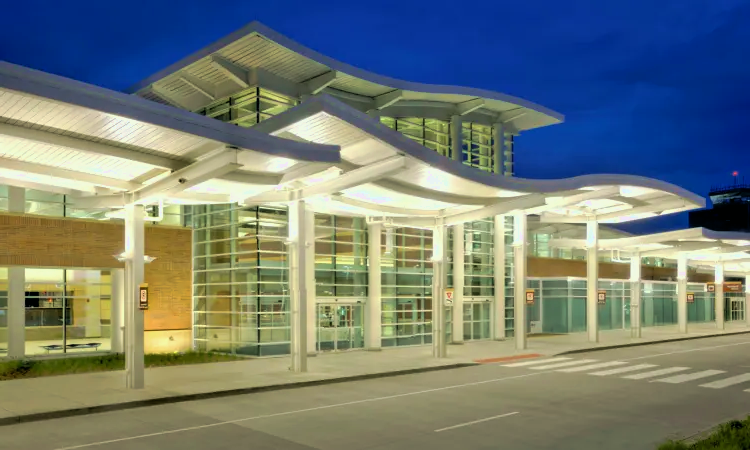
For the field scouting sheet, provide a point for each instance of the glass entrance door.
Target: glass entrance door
(477, 320)
(737, 308)
(340, 327)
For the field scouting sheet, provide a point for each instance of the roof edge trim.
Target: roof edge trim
(65, 90)
(256, 27)
(329, 105)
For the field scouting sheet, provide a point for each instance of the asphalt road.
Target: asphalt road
(630, 398)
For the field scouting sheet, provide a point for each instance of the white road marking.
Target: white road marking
(592, 366)
(688, 351)
(655, 373)
(287, 413)
(475, 422)
(538, 361)
(604, 373)
(689, 376)
(564, 364)
(727, 381)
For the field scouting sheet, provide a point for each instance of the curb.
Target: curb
(87, 410)
(640, 344)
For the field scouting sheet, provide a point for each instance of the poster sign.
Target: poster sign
(449, 296)
(529, 296)
(727, 286)
(601, 297)
(143, 296)
(732, 286)
(691, 297)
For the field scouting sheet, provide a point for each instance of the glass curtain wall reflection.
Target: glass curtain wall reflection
(3, 312)
(406, 286)
(478, 279)
(67, 310)
(240, 279)
(340, 280)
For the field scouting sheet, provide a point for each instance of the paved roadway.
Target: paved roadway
(630, 398)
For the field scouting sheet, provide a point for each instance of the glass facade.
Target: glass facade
(560, 305)
(67, 310)
(406, 286)
(240, 279)
(477, 142)
(248, 107)
(43, 203)
(341, 257)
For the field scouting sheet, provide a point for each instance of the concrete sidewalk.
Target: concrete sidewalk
(68, 395)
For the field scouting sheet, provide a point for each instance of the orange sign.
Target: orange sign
(729, 286)
(691, 297)
(601, 297)
(529, 296)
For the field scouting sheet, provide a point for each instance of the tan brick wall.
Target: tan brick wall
(551, 267)
(38, 241)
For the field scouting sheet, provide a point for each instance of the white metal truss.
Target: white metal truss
(346, 180)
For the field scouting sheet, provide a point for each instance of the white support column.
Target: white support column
(747, 300)
(719, 295)
(438, 290)
(635, 295)
(297, 260)
(310, 283)
(16, 312)
(592, 280)
(374, 307)
(134, 317)
(682, 312)
(457, 333)
(117, 315)
(457, 138)
(519, 278)
(498, 261)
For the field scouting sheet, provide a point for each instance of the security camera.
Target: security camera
(182, 180)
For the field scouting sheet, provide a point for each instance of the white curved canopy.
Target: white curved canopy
(258, 55)
(107, 149)
(69, 137)
(699, 245)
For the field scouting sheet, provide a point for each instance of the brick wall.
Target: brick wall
(38, 241)
(552, 268)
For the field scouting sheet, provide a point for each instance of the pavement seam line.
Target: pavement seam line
(639, 344)
(182, 398)
(287, 413)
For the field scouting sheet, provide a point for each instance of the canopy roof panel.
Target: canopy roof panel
(257, 54)
(65, 134)
(698, 245)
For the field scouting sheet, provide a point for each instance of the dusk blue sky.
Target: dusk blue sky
(653, 88)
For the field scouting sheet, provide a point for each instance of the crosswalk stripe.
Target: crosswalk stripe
(564, 364)
(604, 373)
(727, 381)
(539, 361)
(655, 373)
(689, 376)
(592, 366)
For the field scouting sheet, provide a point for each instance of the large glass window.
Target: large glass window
(240, 280)
(340, 256)
(406, 286)
(67, 310)
(248, 107)
(477, 142)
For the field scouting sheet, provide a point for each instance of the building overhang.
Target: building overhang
(700, 246)
(258, 55)
(108, 149)
(58, 134)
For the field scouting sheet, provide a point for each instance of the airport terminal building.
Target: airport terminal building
(277, 201)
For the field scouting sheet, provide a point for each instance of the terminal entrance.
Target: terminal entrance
(339, 326)
(736, 309)
(477, 319)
